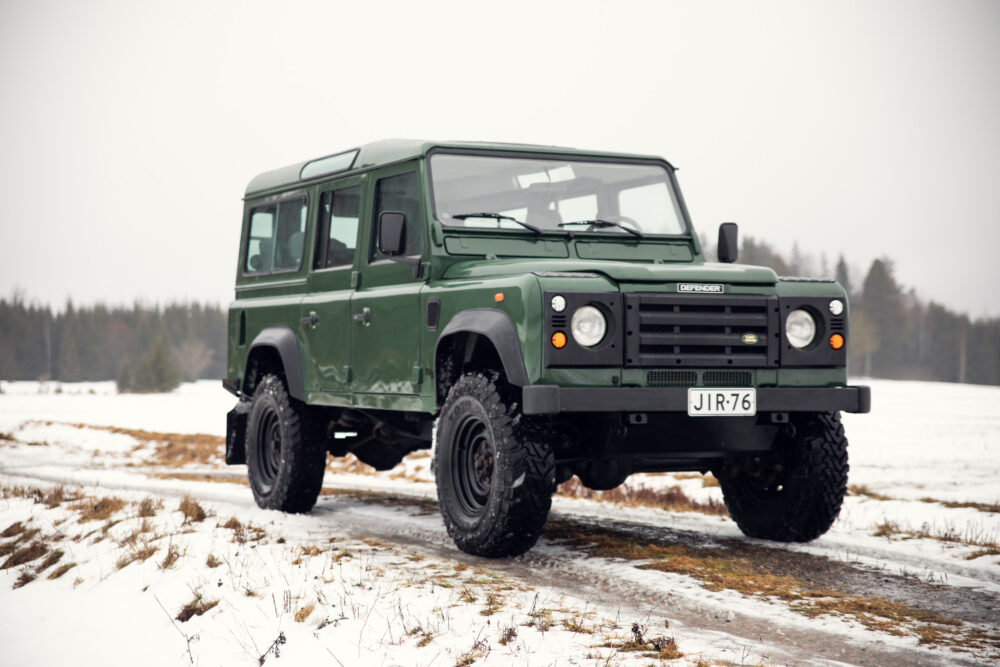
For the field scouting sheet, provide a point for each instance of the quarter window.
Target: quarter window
(277, 237)
(401, 194)
(338, 228)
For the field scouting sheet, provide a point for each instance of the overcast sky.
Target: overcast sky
(128, 130)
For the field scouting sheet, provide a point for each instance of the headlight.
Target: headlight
(800, 328)
(588, 326)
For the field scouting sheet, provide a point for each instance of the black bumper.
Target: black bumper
(541, 399)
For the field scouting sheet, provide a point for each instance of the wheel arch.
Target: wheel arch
(480, 331)
(275, 349)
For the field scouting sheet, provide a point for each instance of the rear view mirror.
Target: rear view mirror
(391, 233)
(728, 248)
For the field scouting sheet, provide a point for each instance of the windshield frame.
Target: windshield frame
(565, 232)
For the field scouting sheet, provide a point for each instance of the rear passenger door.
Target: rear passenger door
(326, 318)
(385, 308)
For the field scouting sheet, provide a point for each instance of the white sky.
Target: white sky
(128, 130)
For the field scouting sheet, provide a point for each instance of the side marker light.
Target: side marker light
(498, 297)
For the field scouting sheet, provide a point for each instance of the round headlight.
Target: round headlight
(836, 307)
(558, 303)
(588, 326)
(800, 328)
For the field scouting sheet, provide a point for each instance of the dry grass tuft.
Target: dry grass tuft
(191, 510)
(25, 576)
(302, 614)
(99, 509)
(212, 561)
(173, 449)
(173, 554)
(33, 551)
(233, 524)
(61, 570)
(672, 499)
(140, 553)
(862, 490)
(13, 529)
(507, 635)
(494, 603)
(148, 507)
(50, 560)
(195, 607)
(480, 649)
(982, 507)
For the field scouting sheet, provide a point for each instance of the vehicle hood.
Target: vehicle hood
(621, 272)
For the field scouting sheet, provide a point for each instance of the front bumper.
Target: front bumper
(543, 399)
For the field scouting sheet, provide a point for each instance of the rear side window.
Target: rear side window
(277, 237)
(338, 229)
(400, 194)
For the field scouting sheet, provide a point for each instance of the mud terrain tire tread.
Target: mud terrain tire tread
(299, 475)
(520, 498)
(812, 490)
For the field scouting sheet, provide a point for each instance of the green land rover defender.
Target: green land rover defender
(532, 313)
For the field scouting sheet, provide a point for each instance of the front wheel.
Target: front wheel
(793, 493)
(495, 473)
(285, 461)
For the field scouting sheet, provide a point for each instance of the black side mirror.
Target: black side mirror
(728, 248)
(391, 233)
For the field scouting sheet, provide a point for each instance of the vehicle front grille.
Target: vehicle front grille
(727, 379)
(672, 378)
(696, 330)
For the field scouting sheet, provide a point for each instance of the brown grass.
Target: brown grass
(982, 507)
(149, 506)
(302, 614)
(754, 571)
(507, 635)
(191, 510)
(862, 490)
(212, 561)
(33, 551)
(99, 509)
(173, 554)
(50, 560)
(13, 529)
(25, 576)
(672, 499)
(196, 607)
(140, 553)
(61, 570)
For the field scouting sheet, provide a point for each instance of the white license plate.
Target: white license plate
(722, 402)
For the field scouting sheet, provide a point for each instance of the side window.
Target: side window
(400, 193)
(338, 228)
(260, 248)
(277, 237)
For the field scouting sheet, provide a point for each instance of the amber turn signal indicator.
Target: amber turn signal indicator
(559, 340)
(836, 341)
(498, 297)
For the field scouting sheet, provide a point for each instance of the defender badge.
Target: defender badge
(750, 338)
(701, 288)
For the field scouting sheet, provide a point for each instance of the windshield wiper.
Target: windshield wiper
(604, 223)
(498, 217)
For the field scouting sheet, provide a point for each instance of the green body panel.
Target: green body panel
(386, 359)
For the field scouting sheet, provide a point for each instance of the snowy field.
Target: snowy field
(126, 540)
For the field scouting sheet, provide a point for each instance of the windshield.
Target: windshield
(475, 191)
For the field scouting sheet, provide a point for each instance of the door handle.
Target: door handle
(365, 316)
(312, 320)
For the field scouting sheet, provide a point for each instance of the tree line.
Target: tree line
(893, 333)
(143, 347)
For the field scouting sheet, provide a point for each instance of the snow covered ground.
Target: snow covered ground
(163, 558)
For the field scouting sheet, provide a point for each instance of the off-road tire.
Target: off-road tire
(285, 458)
(800, 496)
(495, 469)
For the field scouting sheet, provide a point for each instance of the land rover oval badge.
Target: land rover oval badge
(750, 338)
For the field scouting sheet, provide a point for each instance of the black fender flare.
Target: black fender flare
(497, 327)
(283, 341)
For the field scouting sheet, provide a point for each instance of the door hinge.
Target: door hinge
(355, 279)
(417, 375)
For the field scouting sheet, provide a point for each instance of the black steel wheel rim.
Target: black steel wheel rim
(472, 466)
(268, 449)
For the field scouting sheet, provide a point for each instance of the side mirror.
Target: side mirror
(728, 248)
(391, 233)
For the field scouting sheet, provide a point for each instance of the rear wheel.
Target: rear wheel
(794, 493)
(285, 460)
(495, 472)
